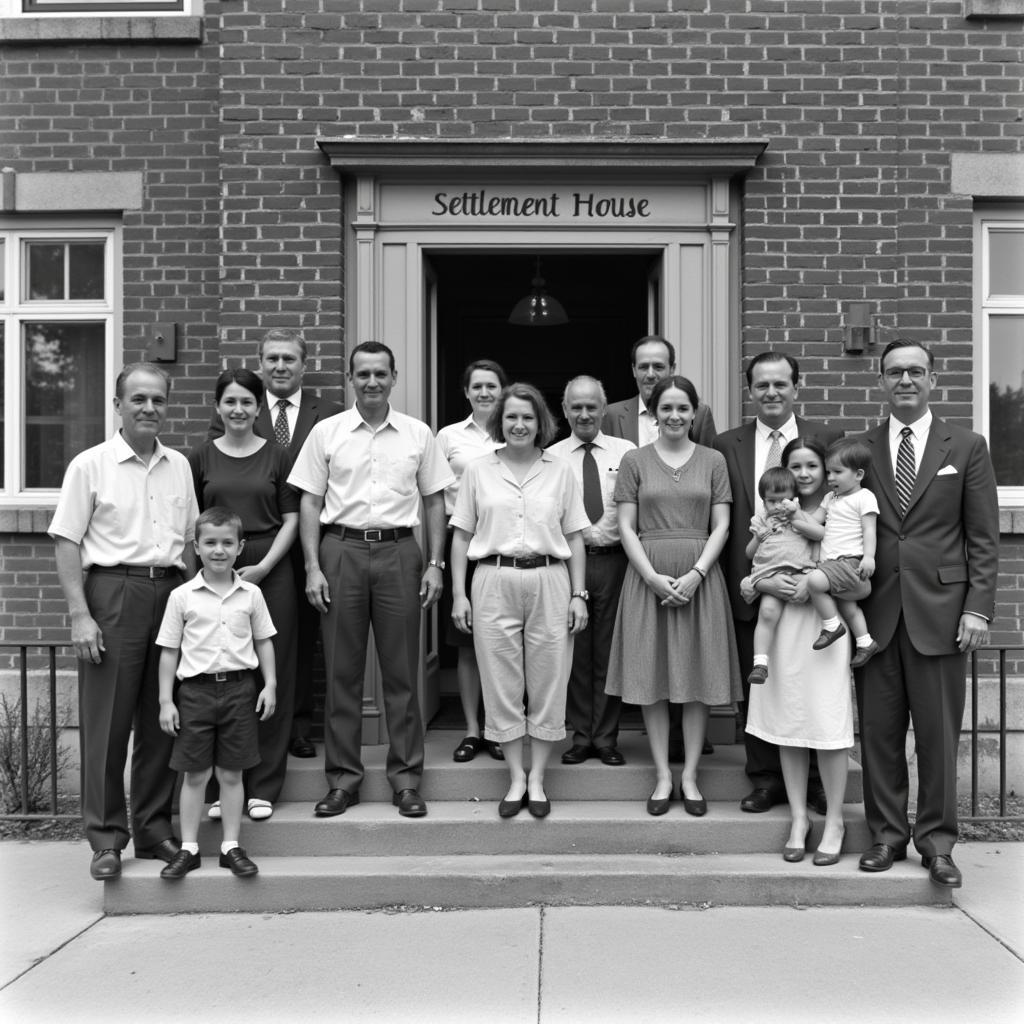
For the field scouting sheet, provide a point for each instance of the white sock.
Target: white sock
(865, 640)
(761, 659)
(830, 624)
(228, 844)
(190, 847)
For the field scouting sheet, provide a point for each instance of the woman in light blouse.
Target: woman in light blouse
(520, 517)
(461, 443)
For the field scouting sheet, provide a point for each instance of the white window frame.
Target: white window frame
(988, 219)
(100, 9)
(15, 310)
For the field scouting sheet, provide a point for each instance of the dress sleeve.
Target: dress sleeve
(197, 463)
(627, 485)
(465, 515)
(721, 491)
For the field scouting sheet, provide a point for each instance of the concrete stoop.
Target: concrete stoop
(597, 847)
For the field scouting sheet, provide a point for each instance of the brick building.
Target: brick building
(179, 177)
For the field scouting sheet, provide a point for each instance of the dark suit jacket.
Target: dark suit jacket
(737, 445)
(620, 421)
(941, 559)
(311, 411)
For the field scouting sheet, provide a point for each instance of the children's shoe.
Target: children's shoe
(238, 862)
(827, 637)
(214, 812)
(758, 675)
(864, 655)
(259, 810)
(182, 863)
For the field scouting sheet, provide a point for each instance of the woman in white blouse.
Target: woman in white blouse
(462, 442)
(520, 517)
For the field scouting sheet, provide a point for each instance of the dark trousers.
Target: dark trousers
(593, 715)
(119, 694)
(308, 632)
(763, 767)
(897, 686)
(372, 584)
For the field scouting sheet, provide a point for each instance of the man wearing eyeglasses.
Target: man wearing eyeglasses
(932, 598)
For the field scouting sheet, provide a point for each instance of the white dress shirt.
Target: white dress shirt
(606, 451)
(462, 443)
(646, 425)
(921, 429)
(762, 444)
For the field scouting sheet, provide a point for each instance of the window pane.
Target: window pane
(45, 270)
(1006, 262)
(85, 270)
(3, 275)
(3, 405)
(64, 385)
(1006, 398)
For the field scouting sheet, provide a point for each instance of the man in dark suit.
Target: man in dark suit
(932, 598)
(773, 381)
(287, 416)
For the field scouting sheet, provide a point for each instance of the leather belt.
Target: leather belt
(152, 572)
(527, 562)
(233, 676)
(599, 549)
(369, 536)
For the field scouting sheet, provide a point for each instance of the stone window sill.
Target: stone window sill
(993, 9)
(174, 29)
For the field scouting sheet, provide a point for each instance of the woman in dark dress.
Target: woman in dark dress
(248, 475)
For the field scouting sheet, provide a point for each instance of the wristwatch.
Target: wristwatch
(434, 563)
(585, 594)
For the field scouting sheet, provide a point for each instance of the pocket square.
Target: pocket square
(947, 471)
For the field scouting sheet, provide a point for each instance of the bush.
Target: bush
(37, 770)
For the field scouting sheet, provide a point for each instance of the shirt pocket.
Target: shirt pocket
(172, 510)
(400, 473)
(239, 624)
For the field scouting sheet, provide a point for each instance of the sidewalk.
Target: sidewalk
(61, 959)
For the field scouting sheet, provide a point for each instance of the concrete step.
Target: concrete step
(517, 880)
(608, 828)
(722, 776)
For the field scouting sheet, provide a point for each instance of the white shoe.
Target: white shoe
(259, 810)
(214, 812)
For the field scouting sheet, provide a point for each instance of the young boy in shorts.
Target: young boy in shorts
(849, 513)
(221, 627)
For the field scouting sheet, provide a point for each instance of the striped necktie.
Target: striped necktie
(281, 433)
(906, 469)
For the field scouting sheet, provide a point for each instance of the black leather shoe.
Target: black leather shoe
(881, 857)
(539, 808)
(409, 803)
(708, 748)
(467, 749)
(301, 746)
(337, 801)
(494, 749)
(657, 808)
(698, 808)
(942, 870)
(238, 862)
(758, 800)
(510, 808)
(182, 863)
(106, 864)
(610, 755)
(166, 850)
(577, 754)
(817, 802)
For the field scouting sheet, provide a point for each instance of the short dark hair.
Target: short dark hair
(285, 334)
(675, 381)
(812, 444)
(488, 365)
(547, 426)
(370, 348)
(906, 343)
(777, 480)
(649, 339)
(850, 452)
(243, 378)
(771, 356)
(217, 515)
(127, 371)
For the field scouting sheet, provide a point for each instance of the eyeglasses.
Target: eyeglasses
(914, 372)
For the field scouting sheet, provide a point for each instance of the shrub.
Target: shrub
(37, 770)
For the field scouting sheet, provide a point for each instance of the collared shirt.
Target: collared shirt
(516, 519)
(122, 511)
(291, 412)
(762, 443)
(646, 425)
(921, 428)
(606, 451)
(371, 479)
(215, 633)
(462, 443)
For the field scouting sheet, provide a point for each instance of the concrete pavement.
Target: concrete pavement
(62, 959)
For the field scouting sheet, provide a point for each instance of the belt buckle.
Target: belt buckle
(156, 572)
(373, 535)
(220, 677)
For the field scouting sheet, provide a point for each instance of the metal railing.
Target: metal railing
(50, 649)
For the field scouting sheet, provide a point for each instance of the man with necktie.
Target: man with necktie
(594, 457)
(932, 598)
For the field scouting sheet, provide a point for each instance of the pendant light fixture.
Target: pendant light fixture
(538, 309)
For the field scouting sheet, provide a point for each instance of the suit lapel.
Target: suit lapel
(935, 451)
(304, 422)
(881, 464)
(745, 457)
(263, 427)
(628, 421)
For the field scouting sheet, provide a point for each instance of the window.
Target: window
(999, 334)
(59, 303)
(115, 7)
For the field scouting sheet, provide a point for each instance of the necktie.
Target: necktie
(774, 459)
(593, 501)
(906, 469)
(281, 433)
